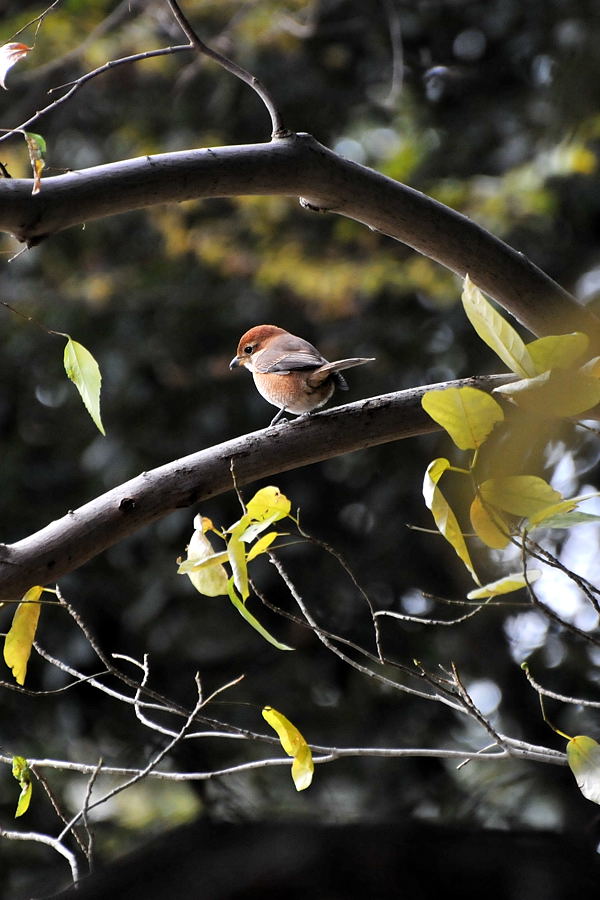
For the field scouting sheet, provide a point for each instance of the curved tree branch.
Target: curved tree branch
(68, 543)
(298, 166)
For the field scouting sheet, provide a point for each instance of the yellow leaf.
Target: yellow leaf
(555, 394)
(494, 531)
(83, 371)
(591, 367)
(294, 745)
(519, 495)
(564, 506)
(467, 414)
(557, 351)
(268, 503)
(9, 55)
(444, 518)
(583, 756)
(21, 771)
(236, 553)
(262, 545)
(203, 566)
(17, 645)
(506, 585)
(496, 332)
(303, 768)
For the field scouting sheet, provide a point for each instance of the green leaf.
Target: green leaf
(294, 744)
(247, 615)
(467, 414)
(566, 520)
(519, 495)
(83, 371)
(583, 757)
(490, 528)
(496, 332)
(19, 640)
(557, 351)
(554, 394)
(35, 141)
(21, 771)
(505, 585)
(443, 515)
(549, 512)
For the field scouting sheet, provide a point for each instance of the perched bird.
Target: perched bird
(288, 371)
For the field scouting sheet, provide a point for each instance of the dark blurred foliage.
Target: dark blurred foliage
(493, 108)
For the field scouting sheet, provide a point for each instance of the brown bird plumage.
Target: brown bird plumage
(288, 371)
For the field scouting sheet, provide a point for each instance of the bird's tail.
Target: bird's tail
(334, 368)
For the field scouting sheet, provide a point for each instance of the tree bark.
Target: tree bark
(67, 543)
(298, 166)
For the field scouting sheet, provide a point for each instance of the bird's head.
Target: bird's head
(252, 342)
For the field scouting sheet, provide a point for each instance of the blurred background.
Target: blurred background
(492, 107)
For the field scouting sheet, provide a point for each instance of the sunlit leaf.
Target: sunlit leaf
(262, 545)
(557, 351)
(467, 414)
(505, 585)
(203, 566)
(554, 394)
(583, 756)
(496, 332)
(591, 367)
(444, 518)
(493, 530)
(18, 642)
(21, 771)
(83, 371)
(568, 520)
(267, 503)
(236, 553)
(520, 495)
(294, 744)
(252, 620)
(9, 55)
(36, 146)
(549, 512)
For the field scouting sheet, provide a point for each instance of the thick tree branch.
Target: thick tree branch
(298, 166)
(67, 543)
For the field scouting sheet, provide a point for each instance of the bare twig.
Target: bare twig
(55, 843)
(79, 83)
(563, 698)
(278, 128)
(330, 645)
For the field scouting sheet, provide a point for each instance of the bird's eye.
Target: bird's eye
(248, 349)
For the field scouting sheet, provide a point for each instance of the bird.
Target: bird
(288, 371)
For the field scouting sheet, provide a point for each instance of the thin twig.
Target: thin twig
(278, 128)
(55, 843)
(76, 85)
(89, 850)
(343, 656)
(340, 559)
(576, 701)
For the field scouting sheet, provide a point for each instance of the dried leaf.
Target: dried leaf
(9, 55)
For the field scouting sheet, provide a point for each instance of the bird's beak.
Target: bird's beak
(235, 362)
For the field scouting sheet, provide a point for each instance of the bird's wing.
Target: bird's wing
(289, 356)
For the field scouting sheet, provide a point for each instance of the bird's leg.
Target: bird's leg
(278, 417)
